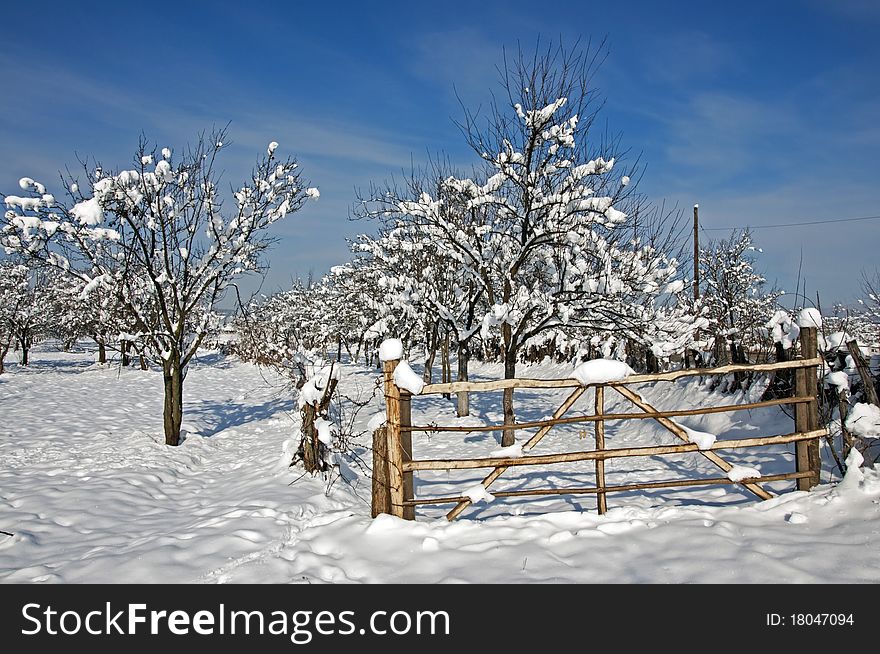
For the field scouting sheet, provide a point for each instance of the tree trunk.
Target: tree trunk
(463, 400)
(25, 351)
(651, 361)
(173, 413)
(143, 361)
(126, 359)
(509, 437)
(4, 350)
(781, 385)
(429, 361)
(311, 446)
(445, 372)
(736, 356)
(102, 353)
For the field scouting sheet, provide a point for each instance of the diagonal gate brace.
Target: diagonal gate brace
(678, 431)
(534, 440)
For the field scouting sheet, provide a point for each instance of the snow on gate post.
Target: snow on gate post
(398, 446)
(806, 415)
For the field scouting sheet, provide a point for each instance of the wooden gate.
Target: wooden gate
(393, 462)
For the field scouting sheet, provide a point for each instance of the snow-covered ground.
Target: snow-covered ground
(90, 493)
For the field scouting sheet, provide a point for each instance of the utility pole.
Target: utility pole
(687, 362)
(696, 253)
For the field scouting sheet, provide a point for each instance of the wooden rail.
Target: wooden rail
(501, 384)
(394, 464)
(675, 483)
(602, 455)
(726, 408)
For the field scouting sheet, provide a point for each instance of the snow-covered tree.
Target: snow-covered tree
(556, 241)
(871, 302)
(15, 297)
(736, 298)
(28, 314)
(157, 235)
(426, 285)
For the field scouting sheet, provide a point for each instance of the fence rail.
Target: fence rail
(393, 463)
(501, 384)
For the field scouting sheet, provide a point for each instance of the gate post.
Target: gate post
(602, 505)
(806, 414)
(394, 447)
(409, 511)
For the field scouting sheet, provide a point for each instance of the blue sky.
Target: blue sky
(761, 112)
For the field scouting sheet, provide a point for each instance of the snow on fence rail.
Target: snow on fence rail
(393, 463)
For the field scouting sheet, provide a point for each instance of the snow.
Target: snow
(323, 427)
(147, 159)
(784, 330)
(272, 147)
(809, 318)
(855, 477)
(88, 212)
(313, 193)
(92, 495)
(376, 421)
(514, 451)
(312, 391)
(738, 473)
(599, 371)
(391, 349)
(704, 440)
(796, 518)
(407, 379)
(837, 340)
(864, 420)
(478, 493)
(164, 173)
(839, 380)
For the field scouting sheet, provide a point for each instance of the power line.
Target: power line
(810, 222)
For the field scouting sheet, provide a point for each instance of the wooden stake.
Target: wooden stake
(864, 373)
(843, 403)
(682, 434)
(806, 416)
(406, 452)
(381, 495)
(601, 502)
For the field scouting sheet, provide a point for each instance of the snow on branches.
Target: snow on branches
(160, 236)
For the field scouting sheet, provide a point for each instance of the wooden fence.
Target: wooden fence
(393, 462)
